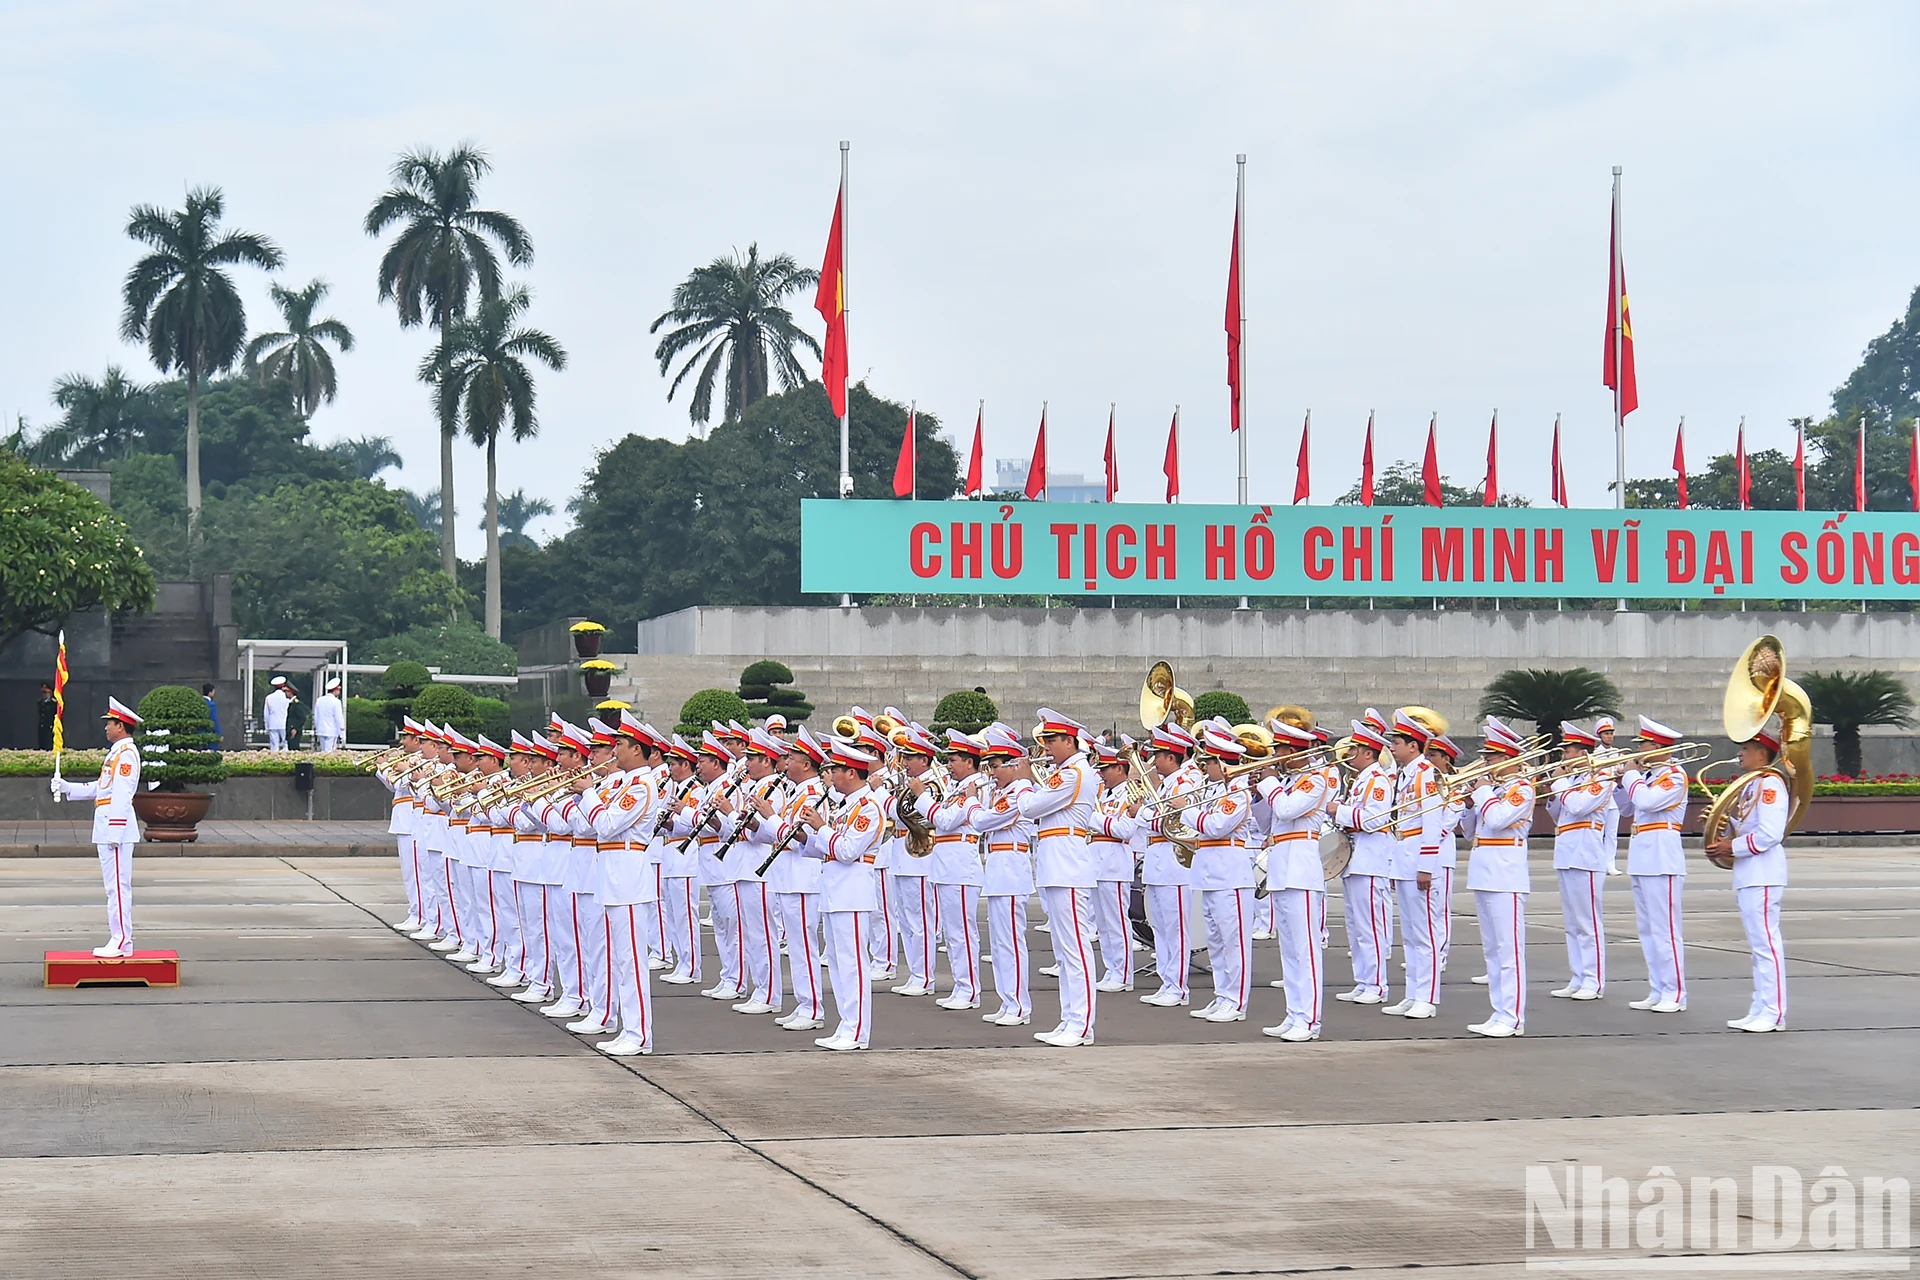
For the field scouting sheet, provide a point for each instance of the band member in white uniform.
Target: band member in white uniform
(915, 900)
(510, 863)
(1455, 813)
(1655, 795)
(1756, 839)
(1416, 866)
(794, 878)
(1295, 803)
(1603, 730)
(754, 909)
(1167, 883)
(1223, 872)
(555, 814)
(115, 830)
(1009, 875)
(622, 819)
(694, 829)
(1112, 849)
(680, 866)
(1579, 798)
(1061, 807)
(1366, 891)
(400, 823)
(849, 887)
(537, 877)
(1497, 876)
(958, 868)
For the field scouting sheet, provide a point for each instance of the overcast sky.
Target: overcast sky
(1041, 207)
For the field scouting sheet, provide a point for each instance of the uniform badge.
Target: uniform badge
(1767, 794)
(126, 769)
(861, 822)
(627, 802)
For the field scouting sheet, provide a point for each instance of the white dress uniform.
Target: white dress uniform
(1581, 863)
(680, 871)
(400, 827)
(849, 892)
(1498, 878)
(1759, 880)
(115, 832)
(1365, 889)
(754, 911)
(1167, 886)
(1296, 882)
(915, 900)
(329, 721)
(454, 859)
(1111, 842)
(535, 880)
(729, 937)
(1657, 866)
(795, 879)
(431, 814)
(1223, 873)
(273, 714)
(1423, 912)
(1063, 871)
(428, 836)
(1007, 884)
(621, 820)
(556, 815)
(959, 874)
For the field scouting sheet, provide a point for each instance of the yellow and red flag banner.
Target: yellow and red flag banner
(1234, 319)
(831, 303)
(1620, 323)
(60, 700)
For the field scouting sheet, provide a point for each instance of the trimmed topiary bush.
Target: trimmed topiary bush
(1219, 702)
(697, 713)
(178, 747)
(965, 710)
(405, 679)
(448, 704)
(367, 721)
(759, 688)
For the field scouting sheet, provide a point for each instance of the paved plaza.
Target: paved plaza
(324, 1097)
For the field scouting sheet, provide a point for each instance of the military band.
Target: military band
(569, 866)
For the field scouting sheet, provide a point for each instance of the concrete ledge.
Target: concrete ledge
(236, 799)
(155, 849)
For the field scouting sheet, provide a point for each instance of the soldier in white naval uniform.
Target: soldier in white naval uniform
(846, 846)
(1577, 807)
(1756, 839)
(1061, 808)
(1366, 893)
(1497, 876)
(115, 831)
(1296, 801)
(1655, 796)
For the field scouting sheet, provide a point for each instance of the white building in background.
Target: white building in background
(1010, 476)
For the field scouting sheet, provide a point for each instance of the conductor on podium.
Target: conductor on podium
(114, 829)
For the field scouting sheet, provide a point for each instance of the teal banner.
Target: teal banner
(1058, 548)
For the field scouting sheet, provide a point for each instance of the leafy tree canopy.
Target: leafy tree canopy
(1400, 485)
(177, 743)
(61, 549)
(1545, 698)
(457, 648)
(1220, 702)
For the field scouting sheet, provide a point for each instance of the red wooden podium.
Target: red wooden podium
(69, 969)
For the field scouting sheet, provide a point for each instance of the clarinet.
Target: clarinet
(793, 833)
(704, 814)
(740, 826)
(668, 809)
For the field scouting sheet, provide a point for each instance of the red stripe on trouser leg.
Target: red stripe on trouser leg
(1086, 967)
(659, 899)
(1313, 950)
(452, 906)
(1519, 963)
(579, 963)
(1779, 978)
(969, 912)
(1599, 943)
(639, 974)
(1246, 961)
(122, 926)
(1014, 922)
(927, 925)
(813, 964)
(493, 916)
(861, 987)
(1433, 952)
(1673, 942)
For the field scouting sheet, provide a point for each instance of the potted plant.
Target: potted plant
(586, 638)
(179, 755)
(598, 675)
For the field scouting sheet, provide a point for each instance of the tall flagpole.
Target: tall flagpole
(846, 469)
(1240, 221)
(1619, 374)
(913, 429)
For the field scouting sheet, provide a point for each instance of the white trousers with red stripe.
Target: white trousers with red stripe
(915, 910)
(1503, 942)
(116, 873)
(1070, 912)
(1656, 910)
(800, 916)
(879, 933)
(566, 950)
(655, 918)
(536, 946)
(1583, 910)
(1368, 903)
(724, 905)
(1426, 931)
(1760, 913)
(632, 982)
(680, 904)
(960, 923)
(1167, 913)
(1116, 930)
(588, 919)
(1263, 912)
(847, 970)
(1301, 917)
(433, 878)
(1012, 964)
(505, 910)
(410, 876)
(1229, 915)
(460, 894)
(486, 918)
(760, 937)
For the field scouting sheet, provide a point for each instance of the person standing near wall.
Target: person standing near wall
(329, 718)
(213, 708)
(273, 713)
(46, 711)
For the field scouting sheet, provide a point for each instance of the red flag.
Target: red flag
(1860, 469)
(1301, 486)
(1113, 462)
(1491, 496)
(1430, 468)
(831, 302)
(976, 478)
(1559, 472)
(1800, 467)
(1680, 461)
(1037, 469)
(905, 482)
(1743, 474)
(1170, 467)
(1233, 320)
(1619, 320)
(1913, 466)
(1366, 467)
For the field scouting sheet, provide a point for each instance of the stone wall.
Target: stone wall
(236, 799)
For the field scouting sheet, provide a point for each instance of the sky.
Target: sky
(1041, 206)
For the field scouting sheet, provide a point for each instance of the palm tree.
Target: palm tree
(1848, 699)
(424, 508)
(102, 419)
(485, 383)
(368, 455)
(299, 354)
(517, 510)
(1545, 698)
(184, 307)
(730, 310)
(445, 248)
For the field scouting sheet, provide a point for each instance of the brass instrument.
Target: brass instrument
(1162, 701)
(1181, 799)
(1256, 740)
(918, 831)
(1287, 713)
(846, 727)
(1427, 718)
(552, 783)
(1041, 765)
(1757, 691)
(382, 758)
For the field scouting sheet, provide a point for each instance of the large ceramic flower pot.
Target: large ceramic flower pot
(172, 817)
(587, 643)
(597, 682)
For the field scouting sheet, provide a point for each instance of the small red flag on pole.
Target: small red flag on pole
(1800, 466)
(1430, 467)
(1680, 460)
(976, 474)
(1366, 465)
(906, 483)
(1559, 472)
(1491, 495)
(831, 302)
(1860, 468)
(1037, 469)
(1113, 461)
(1742, 473)
(1302, 486)
(1617, 369)
(1170, 467)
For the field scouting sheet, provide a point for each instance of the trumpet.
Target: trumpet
(381, 759)
(1041, 765)
(1183, 799)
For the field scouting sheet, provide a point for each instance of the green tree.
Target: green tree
(698, 712)
(731, 311)
(101, 420)
(182, 304)
(517, 511)
(178, 746)
(485, 381)
(457, 648)
(298, 355)
(761, 688)
(368, 455)
(965, 710)
(444, 249)
(1545, 698)
(1401, 485)
(1220, 702)
(1886, 383)
(1849, 699)
(448, 704)
(61, 549)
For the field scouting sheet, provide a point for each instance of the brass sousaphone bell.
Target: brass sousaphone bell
(1162, 702)
(1757, 691)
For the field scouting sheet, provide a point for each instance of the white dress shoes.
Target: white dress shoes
(591, 1025)
(679, 979)
(445, 944)
(407, 926)
(563, 1009)
(655, 964)
(1112, 984)
(1051, 971)
(1224, 1012)
(1668, 1006)
(1292, 1032)
(532, 995)
(112, 952)
(1368, 997)
(507, 979)
(1420, 1009)
(483, 965)
(754, 1006)
(1495, 1030)
(1205, 1010)
(880, 973)
(623, 1046)
(1564, 993)
(1397, 1008)
(1164, 998)
(723, 992)
(1011, 1019)
(426, 933)
(797, 1023)
(1585, 993)
(1646, 1002)
(911, 989)
(838, 1045)
(1756, 1022)
(1062, 1039)
(1479, 980)
(957, 1002)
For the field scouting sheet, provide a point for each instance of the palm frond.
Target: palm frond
(1546, 697)
(1850, 699)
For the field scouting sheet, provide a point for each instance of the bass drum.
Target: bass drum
(1336, 851)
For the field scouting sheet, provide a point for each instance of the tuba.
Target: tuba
(1162, 701)
(1757, 691)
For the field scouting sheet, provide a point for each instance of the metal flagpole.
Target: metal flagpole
(913, 429)
(1619, 374)
(846, 467)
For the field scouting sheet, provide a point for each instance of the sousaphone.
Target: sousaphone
(1162, 702)
(1757, 691)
